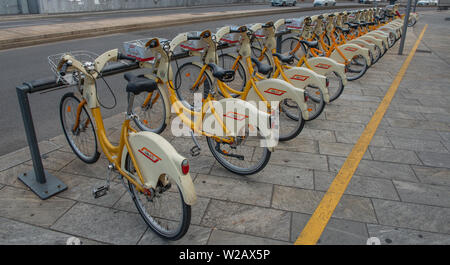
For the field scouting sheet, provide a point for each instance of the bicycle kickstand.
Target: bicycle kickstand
(195, 151)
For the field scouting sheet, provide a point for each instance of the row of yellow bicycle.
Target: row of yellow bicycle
(236, 87)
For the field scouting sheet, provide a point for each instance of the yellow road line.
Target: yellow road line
(318, 221)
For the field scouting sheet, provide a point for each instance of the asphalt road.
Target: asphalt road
(30, 63)
(136, 13)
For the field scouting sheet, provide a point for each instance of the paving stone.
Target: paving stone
(220, 237)
(435, 159)
(377, 169)
(55, 160)
(423, 193)
(418, 124)
(301, 160)
(197, 210)
(408, 133)
(352, 138)
(401, 236)
(445, 136)
(348, 117)
(10, 176)
(394, 155)
(418, 145)
(200, 164)
(97, 170)
(406, 115)
(25, 206)
(306, 201)
(80, 189)
(247, 219)
(196, 235)
(339, 149)
(438, 117)
(299, 144)
(22, 155)
(102, 224)
(359, 186)
(331, 108)
(337, 231)
(319, 135)
(414, 216)
(235, 190)
(433, 175)
(273, 174)
(17, 233)
(360, 98)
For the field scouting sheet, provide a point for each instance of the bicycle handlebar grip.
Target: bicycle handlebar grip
(193, 38)
(63, 70)
(121, 56)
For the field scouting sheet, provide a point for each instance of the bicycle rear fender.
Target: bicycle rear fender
(301, 77)
(325, 65)
(373, 40)
(380, 35)
(155, 156)
(236, 114)
(389, 29)
(278, 90)
(364, 44)
(350, 50)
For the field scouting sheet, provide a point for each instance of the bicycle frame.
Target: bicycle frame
(151, 155)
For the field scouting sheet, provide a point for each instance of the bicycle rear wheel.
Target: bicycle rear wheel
(289, 44)
(245, 156)
(356, 68)
(78, 129)
(164, 211)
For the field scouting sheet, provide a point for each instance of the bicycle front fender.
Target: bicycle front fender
(236, 114)
(278, 90)
(156, 157)
(350, 50)
(325, 65)
(301, 77)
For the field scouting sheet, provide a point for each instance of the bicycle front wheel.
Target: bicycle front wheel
(244, 156)
(150, 110)
(78, 128)
(164, 209)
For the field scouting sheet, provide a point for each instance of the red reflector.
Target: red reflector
(185, 166)
(328, 82)
(306, 98)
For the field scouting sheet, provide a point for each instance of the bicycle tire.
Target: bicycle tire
(220, 157)
(145, 118)
(288, 44)
(153, 221)
(359, 73)
(85, 124)
(331, 81)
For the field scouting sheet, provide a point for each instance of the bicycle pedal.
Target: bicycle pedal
(195, 151)
(100, 192)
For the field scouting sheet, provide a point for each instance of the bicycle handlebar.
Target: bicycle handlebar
(121, 56)
(63, 70)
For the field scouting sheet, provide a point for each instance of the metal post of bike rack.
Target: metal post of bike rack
(415, 5)
(405, 27)
(38, 180)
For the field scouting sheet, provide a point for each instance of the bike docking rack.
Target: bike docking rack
(41, 182)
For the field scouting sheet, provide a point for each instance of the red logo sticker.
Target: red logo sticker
(235, 116)
(323, 66)
(300, 77)
(369, 41)
(274, 91)
(351, 49)
(147, 153)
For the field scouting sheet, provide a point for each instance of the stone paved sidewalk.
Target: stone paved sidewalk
(400, 192)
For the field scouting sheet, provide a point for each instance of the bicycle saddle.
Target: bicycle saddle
(310, 44)
(343, 29)
(140, 83)
(352, 25)
(263, 69)
(289, 59)
(221, 74)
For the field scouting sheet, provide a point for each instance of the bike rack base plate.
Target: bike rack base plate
(45, 190)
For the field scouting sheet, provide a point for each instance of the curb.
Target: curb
(54, 37)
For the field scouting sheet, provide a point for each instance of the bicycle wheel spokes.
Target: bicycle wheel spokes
(164, 210)
(244, 156)
(151, 111)
(185, 83)
(79, 130)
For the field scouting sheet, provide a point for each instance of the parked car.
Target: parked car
(427, 3)
(324, 3)
(369, 1)
(283, 2)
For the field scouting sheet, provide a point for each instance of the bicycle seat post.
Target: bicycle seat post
(130, 104)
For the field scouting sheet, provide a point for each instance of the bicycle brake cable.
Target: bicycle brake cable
(110, 90)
